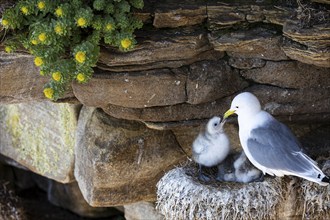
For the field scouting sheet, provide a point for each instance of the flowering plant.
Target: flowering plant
(64, 35)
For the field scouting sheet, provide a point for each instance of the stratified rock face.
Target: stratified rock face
(20, 80)
(191, 59)
(212, 80)
(138, 89)
(40, 136)
(142, 211)
(172, 14)
(311, 44)
(161, 49)
(69, 196)
(118, 161)
(254, 43)
(290, 74)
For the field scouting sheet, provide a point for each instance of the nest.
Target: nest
(180, 195)
(316, 201)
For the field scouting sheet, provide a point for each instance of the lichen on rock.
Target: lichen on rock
(40, 136)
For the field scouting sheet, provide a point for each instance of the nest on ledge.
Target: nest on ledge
(181, 195)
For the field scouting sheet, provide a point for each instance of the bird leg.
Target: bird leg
(202, 177)
(261, 178)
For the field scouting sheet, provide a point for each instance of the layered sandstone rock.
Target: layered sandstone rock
(191, 59)
(40, 136)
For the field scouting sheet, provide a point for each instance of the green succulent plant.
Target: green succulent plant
(65, 35)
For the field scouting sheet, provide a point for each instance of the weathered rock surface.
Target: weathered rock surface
(246, 63)
(204, 81)
(290, 74)
(310, 56)
(316, 41)
(69, 196)
(40, 136)
(137, 89)
(180, 112)
(255, 43)
(142, 211)
(118, 161)
(306, 104)
(317, 142)
(226, 14)
(210, 80)
(317, 36)
(160, 49)
(162, 92)
(20, 80)
(172, 14)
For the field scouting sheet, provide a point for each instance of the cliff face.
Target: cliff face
(143, 107)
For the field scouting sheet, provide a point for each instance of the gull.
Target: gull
(269, 144)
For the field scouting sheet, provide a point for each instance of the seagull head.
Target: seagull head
(245, 104)
(214, 125)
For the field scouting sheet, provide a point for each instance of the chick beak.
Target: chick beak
(228, 113)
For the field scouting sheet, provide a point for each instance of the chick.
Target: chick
(211, 146)
(237, 168)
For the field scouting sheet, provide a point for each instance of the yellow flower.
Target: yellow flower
(25, 10)
(109, 27)
(41, 5)
(126, 43)
(49, 92)
(81, 22)
(8, 49)
(38, 61)
(57, 76)
(80, 56)
(42, 37)
(81, 77)
(5, 22)
(59, 12)
(58, 29)
(34, 42)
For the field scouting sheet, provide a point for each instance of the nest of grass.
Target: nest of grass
(316, 198)
(316, 201)
(180, 195)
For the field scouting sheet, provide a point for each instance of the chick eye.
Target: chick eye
(215, 124)
(236, 106)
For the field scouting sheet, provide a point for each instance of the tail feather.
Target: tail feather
(326, 179)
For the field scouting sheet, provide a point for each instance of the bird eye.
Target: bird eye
(215, 124)
(236, 106)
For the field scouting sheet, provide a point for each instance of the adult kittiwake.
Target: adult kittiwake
(269, 144)
(211, 146)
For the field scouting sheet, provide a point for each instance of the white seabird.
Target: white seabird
(269, 144)
(212, 145)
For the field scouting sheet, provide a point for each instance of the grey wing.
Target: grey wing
(274, 146)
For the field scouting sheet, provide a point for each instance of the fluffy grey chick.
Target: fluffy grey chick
(211, 146)
(237, 168)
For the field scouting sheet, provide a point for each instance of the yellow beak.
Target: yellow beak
(228, 113)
